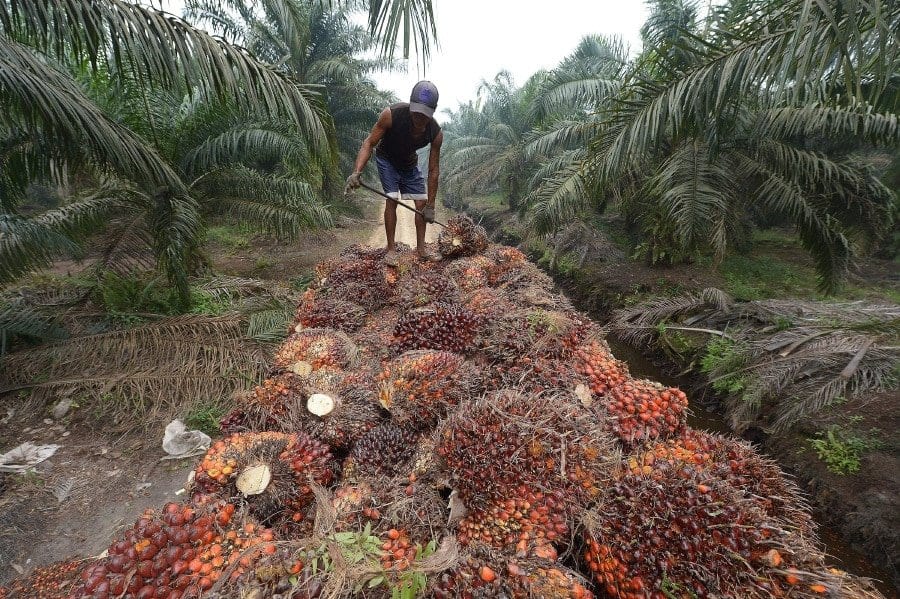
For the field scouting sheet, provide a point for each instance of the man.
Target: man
(402, 129)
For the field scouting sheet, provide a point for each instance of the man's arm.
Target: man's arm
(434, 168)
(368, 145)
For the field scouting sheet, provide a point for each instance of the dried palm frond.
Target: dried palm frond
(157, 366)
(791, 358)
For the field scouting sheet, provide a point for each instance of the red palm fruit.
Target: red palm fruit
(439, 326)
(312, 349)
(462, 237)
(643, 410)
(470, 273)
(321, 310)
(594, 360)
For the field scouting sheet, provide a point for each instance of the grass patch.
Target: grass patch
(494, 202)
(842, 449)
(205, 417)
(233, 236)
(760, 276)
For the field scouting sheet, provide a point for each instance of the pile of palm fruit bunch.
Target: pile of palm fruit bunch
(459, 429)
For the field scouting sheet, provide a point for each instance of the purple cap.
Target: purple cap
(424, 98)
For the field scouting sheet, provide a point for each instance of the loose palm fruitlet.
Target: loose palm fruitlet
(177, 554)
(644, 410)
(312, 349)
(384, 451)
(419, 387)
(714, 542)
(484, 575)
(462, 237)
(528, 524)
(731, 461)
(317, 311)
(470, 273)
(424, 289)
(55, 581)
(439, 326)
(269, 472)
(510, 439)
(594, 360)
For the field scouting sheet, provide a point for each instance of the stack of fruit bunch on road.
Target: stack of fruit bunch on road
(458, 429)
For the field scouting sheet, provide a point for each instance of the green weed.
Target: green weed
(722, 359)
(263, 263)
(234, 237)
(842, 449)
(205, 417)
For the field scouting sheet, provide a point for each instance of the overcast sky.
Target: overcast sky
(478, 38)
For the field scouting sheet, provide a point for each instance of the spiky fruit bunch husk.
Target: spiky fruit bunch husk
(529, 523)
(327, 311)
(540, 375)
(715, 542)
(275, 397)
(355, 411)
(179, 553)
(489, 575)
(421, 386)
(384, 451)
(312, 349)
(462, 237)
(594, 360)
(376, 336)
(515, 278)
(292, 463)
(509, 439)
(643, 410)
(359, 281)
(734, 462)
(488, 304)
(504, 258)
(534, 332)
(440, 326)
(54, 581)
(366, 252)
(287, 572)
(425, 289)
(470, 273)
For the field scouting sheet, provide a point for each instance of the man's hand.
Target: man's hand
(352, 183)
(428, 214)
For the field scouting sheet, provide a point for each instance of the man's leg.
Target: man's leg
(420, 228)
(390, 222)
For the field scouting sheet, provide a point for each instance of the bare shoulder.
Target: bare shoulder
(385, 120)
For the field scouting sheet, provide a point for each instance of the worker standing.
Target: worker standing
(402, 129)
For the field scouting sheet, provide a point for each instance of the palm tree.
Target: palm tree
(53, 127)
(759, 109)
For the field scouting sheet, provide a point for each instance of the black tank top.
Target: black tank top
(398, 145)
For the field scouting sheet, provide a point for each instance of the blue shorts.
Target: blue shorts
(409, 183)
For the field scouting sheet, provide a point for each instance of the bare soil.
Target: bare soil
(73, 504)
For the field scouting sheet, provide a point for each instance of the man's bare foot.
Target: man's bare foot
(391, 258)
(428, 256)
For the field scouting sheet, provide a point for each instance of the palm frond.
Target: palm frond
(415, 18)
(856, 121)
(239, 144)
(158, 366)
(20, 320)
(163, 49)
(270, 326)
(559, 199)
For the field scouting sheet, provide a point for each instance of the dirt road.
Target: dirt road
(406, 229)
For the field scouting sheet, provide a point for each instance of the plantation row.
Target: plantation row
(459, 430)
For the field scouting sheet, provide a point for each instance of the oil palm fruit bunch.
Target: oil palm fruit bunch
(355, 505)
(489, 575)
(55, 581)
(327, 311)
(272, 401)
(510, 439)
(731, 461)
(521, 277)
(312, 349)
(339, 412)
(488, 304)
(427, 288)
(470, 273)
(444, 327)
(462, 237)
(534, 332)
(594, 360)
(271, 473)
(505, 258)
(366, 252)
(643, 410)
(528, 523)
(359, 281)
(286, 573)
(384, 451)
(420, 386)
(376, 336)
(715, 543)
(539, 375)
(179, 553)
